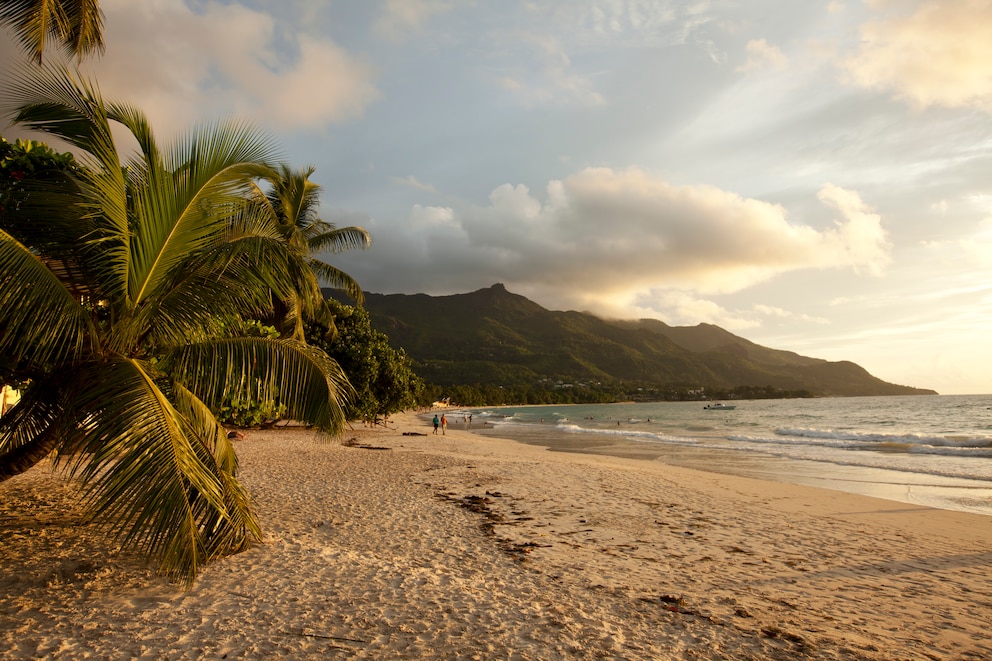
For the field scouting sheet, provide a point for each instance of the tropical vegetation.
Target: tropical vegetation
(126, 287)
(293, 202)
(382, 375)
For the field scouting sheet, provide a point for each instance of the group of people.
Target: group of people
(442, 423)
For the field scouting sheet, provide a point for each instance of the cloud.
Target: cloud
(546, 75)
(401, 17)
(682, 308)
(604, 239)
(939, 55)
(183, 66)
(859, 241)
(974, 250)
(773, 312)
(761, 55)
(414, 183)
(427, 218)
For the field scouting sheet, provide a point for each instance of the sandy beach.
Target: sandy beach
(382, 545)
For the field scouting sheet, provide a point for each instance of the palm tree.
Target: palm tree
(117, 296)
(76, 26)
(293, 201)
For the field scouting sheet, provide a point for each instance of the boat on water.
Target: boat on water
(719, 407)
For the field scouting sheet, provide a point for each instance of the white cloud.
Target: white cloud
(941, 54)
(427, 218)
(760, 55)
(183, 67)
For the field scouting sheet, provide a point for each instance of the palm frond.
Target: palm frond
(41, 323)
(29, 431)
(237, 275)
(337, 279)
(86, 27)
(44, 211)
(340, 239)
(34, 23)
(302, 378)
(191, 199)
(145, 470)
(58, 101)
(136, 122)
(206, 426)
(76, 26)
(236, 528)
(63, 103)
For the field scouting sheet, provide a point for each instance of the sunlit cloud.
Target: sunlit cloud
(761, 55)
(974, 250)
(683, 308)
(183, 66)
(941, 54)
(859, 240)
(847, 300)
(601, 239)
(773, 312)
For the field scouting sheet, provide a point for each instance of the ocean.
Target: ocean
(927, 450)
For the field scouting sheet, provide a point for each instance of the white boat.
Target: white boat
(719, 407)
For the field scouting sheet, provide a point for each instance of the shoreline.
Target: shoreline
(927, 489)
(937, 492)
(471, 546)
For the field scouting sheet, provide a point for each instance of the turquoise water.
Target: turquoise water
(928, 450)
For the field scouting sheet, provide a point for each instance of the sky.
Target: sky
(813, 176)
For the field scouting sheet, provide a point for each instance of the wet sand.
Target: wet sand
(942, 492)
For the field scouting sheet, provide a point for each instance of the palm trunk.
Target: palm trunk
(25, 456)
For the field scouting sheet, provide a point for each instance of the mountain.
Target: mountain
(492, 336)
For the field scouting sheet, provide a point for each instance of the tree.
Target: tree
(114, 291)
(76, 26)
(294, 200)
(382, 376)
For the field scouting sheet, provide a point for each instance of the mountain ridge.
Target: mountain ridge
(493, 336)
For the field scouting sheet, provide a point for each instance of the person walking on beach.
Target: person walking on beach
(444, 425)
(436, 423)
